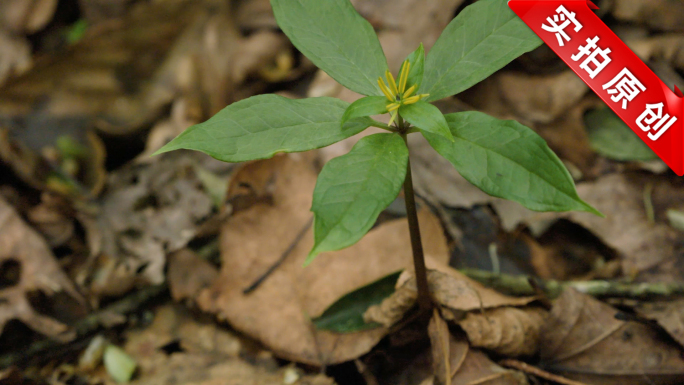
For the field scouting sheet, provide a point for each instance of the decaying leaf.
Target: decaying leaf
(508, 331)
(188, 274)
(583, 340)
(449, 288)
(541, 98)
(279, 310)
(456, 363)
(668, 314)
(150, 209)
(176, 348)
(29, 265)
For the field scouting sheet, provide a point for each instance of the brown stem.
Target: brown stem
(424, 299)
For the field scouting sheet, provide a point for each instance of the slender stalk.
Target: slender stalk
(424, 299)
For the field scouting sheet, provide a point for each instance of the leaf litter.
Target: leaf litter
(150, 225)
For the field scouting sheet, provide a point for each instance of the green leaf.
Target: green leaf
(336, 38)
(508, 160)
(612, 138)
(353, 189)
(119, 365)
(417, 60)
(426, 117)
(482, 39)
(263, 125)
(370, 105)
(346, 314)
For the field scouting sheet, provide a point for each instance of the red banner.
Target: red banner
(617, 75)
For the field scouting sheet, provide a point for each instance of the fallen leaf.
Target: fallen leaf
(30, 266)
(507, 331)
(467, 366)
(26, 16)
(176, 348)
(150, 208)
(15, 56)
(583, 340)
(188, 274)
(441, 341)
(668, 314)
(279, 311)
(449, 288)
(541, 99)
(657, 14)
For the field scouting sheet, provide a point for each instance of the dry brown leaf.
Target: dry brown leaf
(449, 288)
(26, 16)
(669, 315)
(137, 66)
(452, 289)
(508, 331)
(15, 56)
(278, 312)
(209, 355)
(441, 341)
(541, 99)
(188, 274)
(467, 366)
(642, 245)
(583, 340)
(23, 250)
(150, 208)
(658, 14)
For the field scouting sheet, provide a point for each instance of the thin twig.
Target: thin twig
(519, 285)
(280, 260)
(529, 369)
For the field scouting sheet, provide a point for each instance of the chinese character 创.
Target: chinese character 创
(566, 18)
(653, 113)
(625, 87)
(592, 51)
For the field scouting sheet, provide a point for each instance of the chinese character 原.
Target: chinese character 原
(627, 87)
(653, 113)
(566, 17)
(591, 50)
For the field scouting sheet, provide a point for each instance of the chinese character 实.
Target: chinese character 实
(627, 87)
(566, 17)
(591, 50)
(653, 113)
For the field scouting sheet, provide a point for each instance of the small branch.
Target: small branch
(85, 326)
(519, 285)
(424, 299)
(529, 369)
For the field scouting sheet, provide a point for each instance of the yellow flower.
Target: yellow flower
(396, 93)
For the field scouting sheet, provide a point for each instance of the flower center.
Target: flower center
(396, 93)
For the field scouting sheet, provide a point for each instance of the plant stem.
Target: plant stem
(424, 299)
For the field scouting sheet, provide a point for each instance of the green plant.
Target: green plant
(503, 158)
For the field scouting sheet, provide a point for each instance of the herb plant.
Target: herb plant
(502, 157)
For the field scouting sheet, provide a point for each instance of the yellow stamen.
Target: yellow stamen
(393, 107)
(409, 92)
(391, 82)
(392, 119)
(423, 96)
(411, 100)
(404, 76)
(386, 91)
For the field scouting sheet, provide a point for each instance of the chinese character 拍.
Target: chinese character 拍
(566, 18)
(591, 50)
(625, 87)
(653, 113)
